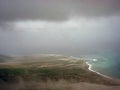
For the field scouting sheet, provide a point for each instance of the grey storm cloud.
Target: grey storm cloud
(32, 26)
(56, 9)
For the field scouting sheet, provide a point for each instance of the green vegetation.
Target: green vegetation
(54, 73)
(49, 68)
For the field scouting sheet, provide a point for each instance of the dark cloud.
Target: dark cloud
(87, 35)
(56, 9)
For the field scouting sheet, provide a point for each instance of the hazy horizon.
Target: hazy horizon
(70, 27)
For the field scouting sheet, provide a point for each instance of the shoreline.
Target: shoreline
(72, 57)
(90, 69)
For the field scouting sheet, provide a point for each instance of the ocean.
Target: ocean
(107, 64)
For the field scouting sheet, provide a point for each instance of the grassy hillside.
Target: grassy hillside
(44, 69)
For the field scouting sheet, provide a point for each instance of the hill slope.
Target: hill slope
(45, 69)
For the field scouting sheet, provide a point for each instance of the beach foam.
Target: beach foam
(90, 68)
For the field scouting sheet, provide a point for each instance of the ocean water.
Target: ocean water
(107, 64)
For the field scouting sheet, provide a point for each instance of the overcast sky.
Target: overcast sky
(57, 9)
(59, 26)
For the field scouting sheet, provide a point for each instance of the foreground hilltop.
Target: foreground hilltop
(50, 72)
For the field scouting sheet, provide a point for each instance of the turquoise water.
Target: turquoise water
(106, 64)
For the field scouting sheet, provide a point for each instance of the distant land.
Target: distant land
(4, 58)
(51, 72)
